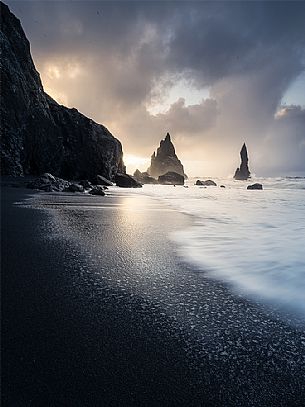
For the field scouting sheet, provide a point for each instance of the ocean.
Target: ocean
(254, 240)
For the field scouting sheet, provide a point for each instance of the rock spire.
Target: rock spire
(243, 173)
(165, 160)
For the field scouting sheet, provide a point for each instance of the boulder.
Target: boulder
(100, 180)
(242, 173)
(97, 190)
(209, 183)
(255, 186)
(126, 181)
(165, 160)
(206, 183)
(47, 182)
(86, 184)
(74, 188)
(171, 178)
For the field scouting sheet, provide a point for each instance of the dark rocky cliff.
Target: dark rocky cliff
(37, 134)
(165, 160)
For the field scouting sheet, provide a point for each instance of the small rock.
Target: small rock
(97, 190)
(255, 186)
(222, 186)
(74, 188)
(206, 183)
(86, 184)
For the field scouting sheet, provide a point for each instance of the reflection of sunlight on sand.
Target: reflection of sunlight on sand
(137, 208)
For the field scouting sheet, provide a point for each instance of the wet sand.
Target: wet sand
(97, 310)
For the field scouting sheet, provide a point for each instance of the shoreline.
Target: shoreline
(142, 325)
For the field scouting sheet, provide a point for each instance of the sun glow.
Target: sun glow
(134, 162)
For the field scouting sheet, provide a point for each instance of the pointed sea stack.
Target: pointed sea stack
(243, 173)
(165, 160)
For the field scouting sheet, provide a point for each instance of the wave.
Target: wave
(252, 239)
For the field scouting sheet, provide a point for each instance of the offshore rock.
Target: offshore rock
(126, 181)
(171, 178)
(255, 186)
(165, 160)
(39, 135)
(206, 183)
(243, 173)
(144, 177)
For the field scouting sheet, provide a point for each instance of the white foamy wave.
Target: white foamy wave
(253, 239)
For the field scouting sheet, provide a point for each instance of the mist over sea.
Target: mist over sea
(254, 240)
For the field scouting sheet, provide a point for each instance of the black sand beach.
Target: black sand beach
(97, 310)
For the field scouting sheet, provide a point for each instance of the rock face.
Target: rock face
(171, 178)
(165, 160)
(243, 173)
(144, 177)
(37, 134)
(126, 181)
(255, 186)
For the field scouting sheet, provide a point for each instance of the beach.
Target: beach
(98, 310)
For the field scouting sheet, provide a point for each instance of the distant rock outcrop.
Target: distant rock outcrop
(144, 177)
(37, 134)
(255, 186)
(207, 183)
(171, 178)
(243, 173)
(165, 160)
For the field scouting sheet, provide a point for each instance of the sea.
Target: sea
(254, 240)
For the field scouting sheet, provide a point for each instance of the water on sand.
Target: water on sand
(242, 347)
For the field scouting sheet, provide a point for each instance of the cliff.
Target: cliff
(165, 160)
(37, 134)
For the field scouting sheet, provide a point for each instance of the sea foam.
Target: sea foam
(254, 240)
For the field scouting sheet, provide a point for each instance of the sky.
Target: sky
(213, 74)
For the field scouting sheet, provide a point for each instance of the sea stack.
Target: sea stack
(243, 173)
(165, 160)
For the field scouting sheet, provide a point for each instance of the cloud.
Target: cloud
(111, 59)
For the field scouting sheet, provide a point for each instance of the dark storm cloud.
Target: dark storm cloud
(247, 53)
